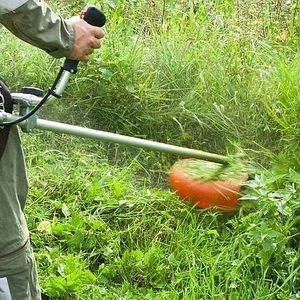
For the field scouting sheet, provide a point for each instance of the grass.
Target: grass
(103, 221)
(102, 232)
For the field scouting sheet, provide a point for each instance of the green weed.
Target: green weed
(103, 223)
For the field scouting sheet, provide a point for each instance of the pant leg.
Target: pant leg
(18, 276)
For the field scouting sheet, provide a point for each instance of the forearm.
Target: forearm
(35, 23)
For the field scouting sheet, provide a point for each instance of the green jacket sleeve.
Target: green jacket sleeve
(35, 23)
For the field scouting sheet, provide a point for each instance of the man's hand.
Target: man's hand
(87, 38)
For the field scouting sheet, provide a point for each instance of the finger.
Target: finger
(91, 50)
(96, 44)
(98, 33)
(85, 58)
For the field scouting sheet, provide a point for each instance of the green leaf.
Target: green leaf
(112, 3)
(65, 210)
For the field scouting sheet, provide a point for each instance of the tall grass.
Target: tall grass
(199, 75)
(195, 75)
(221, 76)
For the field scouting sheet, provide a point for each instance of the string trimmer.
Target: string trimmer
(186, 176)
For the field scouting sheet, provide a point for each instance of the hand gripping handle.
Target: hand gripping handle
(94, 16)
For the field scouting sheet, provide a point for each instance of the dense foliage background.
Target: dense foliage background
(220, 76)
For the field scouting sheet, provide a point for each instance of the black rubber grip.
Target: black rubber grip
(93, 16)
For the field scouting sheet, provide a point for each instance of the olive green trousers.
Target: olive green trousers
(18, 275)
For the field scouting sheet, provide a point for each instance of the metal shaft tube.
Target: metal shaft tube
(128, 141)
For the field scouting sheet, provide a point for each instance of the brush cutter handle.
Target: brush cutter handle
(94, 16)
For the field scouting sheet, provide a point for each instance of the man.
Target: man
(34, 22)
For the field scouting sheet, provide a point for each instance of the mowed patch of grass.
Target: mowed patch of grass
(103, 232)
